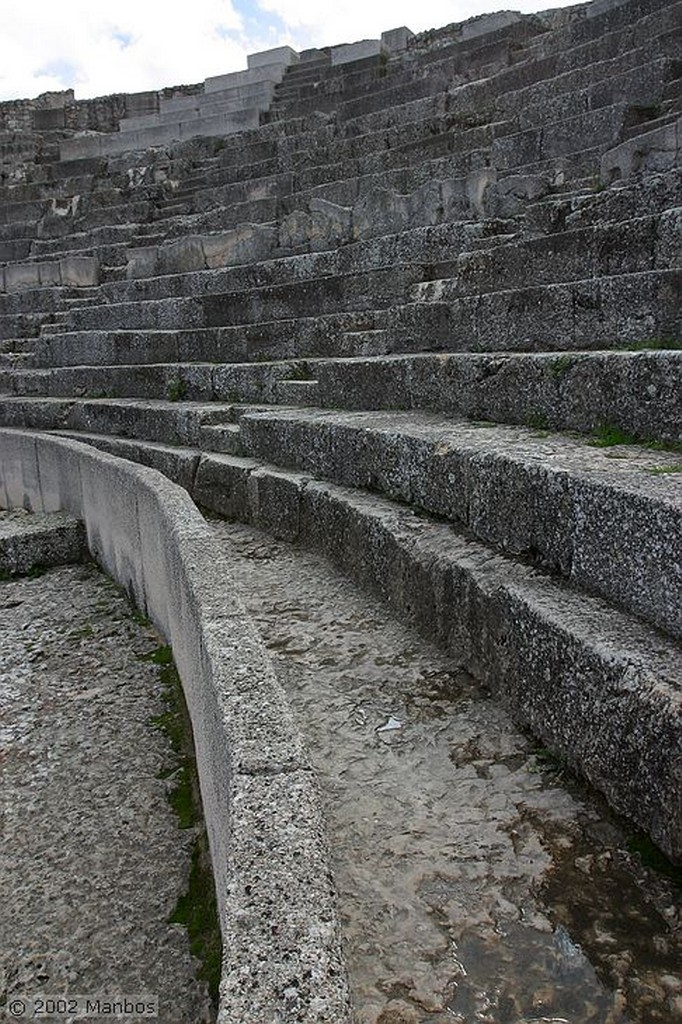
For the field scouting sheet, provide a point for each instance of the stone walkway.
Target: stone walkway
(93, 860)
(477, 882)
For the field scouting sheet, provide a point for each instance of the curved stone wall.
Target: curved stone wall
(281, 952)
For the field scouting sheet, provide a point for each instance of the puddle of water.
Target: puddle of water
(473, 885)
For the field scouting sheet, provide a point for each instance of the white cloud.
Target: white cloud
(167, 45)
(132, 45)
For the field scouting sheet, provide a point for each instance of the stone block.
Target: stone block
(395, 40)
(253, 76)
(50, 274)
(380, 212)
(138, 103)
(38, 541)
(349, 52)
(182, 256)
(19, 276)
(486, 23)
(657, 150)
(143, 262)
(283, 55)
(79, 271)
(221, 484)
(274, 498)
(244, 244)
(48, 119)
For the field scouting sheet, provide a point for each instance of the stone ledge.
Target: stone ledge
(36, 541)
(151, 538)
(69, 271)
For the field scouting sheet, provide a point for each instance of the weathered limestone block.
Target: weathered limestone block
(425, 205)
(652, 151)
(324, 226)
(380, 212)
(508, 197)
(58, 221)
(331, 224)
(486, 23)
(79, 271)
(143, 262)
(22, 275)
(349, 52)
(284, 55)
(73, 271)
(244, 244)
(396, 39)
(181, 256)
(670, 238)
(51, 274)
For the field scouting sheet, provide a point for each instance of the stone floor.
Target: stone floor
(478, 882)
(93, 860)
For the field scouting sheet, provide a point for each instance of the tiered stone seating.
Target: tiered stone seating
(451, 262)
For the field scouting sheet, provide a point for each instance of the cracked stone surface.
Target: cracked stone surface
(93, 860)
(477, 881)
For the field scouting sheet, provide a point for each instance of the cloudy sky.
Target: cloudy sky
(97, 47)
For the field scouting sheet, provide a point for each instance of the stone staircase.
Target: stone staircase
(422, 314)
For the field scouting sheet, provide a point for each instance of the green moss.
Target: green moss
(608, 436)
(653, 858)
(37, 570)
(160, 656)
(300, 371)
(561, 365)
(176, 390)
(548, 761)
(197, 908)
(537, 420)
(674, 467)
(139, 617)
(665, 344)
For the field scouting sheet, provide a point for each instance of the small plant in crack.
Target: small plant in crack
(176, 390)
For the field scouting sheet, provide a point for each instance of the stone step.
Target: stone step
(15, 249)
(23, 325)
(620, 20)
(305, 337)
(105, 237)
(610, 526)
(278, 383)
(224, 438)
(108, 144)
(546, 66)
(632, 73)
(466, 105)
(13, 361)
(634, 393)
(204, 105)
(226, 174)
(623, 247)
(328, 294)
(598, 685)
(403, 249)
(581, 314)
(153, 420)
(18, 231)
